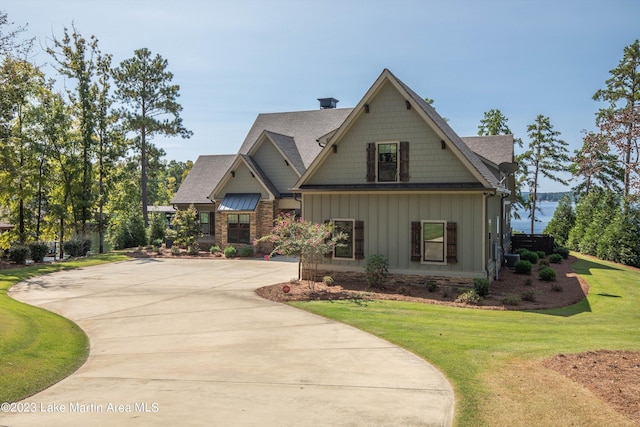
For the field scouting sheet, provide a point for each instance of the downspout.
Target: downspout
(484, 235)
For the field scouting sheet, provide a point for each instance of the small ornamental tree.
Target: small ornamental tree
(306, 240)
(187, 227)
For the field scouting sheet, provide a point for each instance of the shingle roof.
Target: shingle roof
(450, 133)
(495, 148)
(203, 177)
(304, 127)
(288, 146)
(255, 168)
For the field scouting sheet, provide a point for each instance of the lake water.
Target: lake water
(542, 219)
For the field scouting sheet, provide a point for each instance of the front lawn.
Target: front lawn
(38, 348)
(493, 358)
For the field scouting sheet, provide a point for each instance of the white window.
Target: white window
(434, 242)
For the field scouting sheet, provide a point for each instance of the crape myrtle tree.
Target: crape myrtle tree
(306, 240)
(150, 106)
(546, 156)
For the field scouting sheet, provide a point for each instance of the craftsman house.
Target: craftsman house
(401, 183)
(390, 173)
(238, 196)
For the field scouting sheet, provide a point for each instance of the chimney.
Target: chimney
(327, 103)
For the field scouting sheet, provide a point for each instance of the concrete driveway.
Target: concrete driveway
(187, 342)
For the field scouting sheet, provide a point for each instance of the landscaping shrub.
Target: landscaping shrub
(532, 257)
(562, 251)
(127, 230)
(528, 295)
(541, 254)
(19, 254)
(556, 287)
(157, 226)
(481, 286)
(520, 251)
(77, 247)
(511, 300)
(528, 282)
(470, 297)
(327, 280)
(215, 248)
(247, 251)
(38, 251)
(432, 286)
(156, 242)
(230, 252)
(175, 250)
(376, 269)
(543, 263)
(193, 248)
(547, 274)
(555, 258)
(523, 267)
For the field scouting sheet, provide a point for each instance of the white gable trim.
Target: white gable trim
(239, 160)
(385, 77)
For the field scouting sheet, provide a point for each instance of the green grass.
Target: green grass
(38, 348)
(471, 345)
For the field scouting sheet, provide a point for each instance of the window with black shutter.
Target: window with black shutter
(434, 242)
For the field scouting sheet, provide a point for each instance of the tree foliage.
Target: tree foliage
(187, 226)
(546, 156)
(65, 171)
(595, 166)
(620, 124)
(563, 220)
(150, 106)
(306, 240)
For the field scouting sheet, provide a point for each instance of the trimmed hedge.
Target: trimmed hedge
(523, 267)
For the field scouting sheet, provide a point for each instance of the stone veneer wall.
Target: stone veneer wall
(265, 215)
(408, 279)
(261, 224)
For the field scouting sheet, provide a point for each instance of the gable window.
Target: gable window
(388, 161)
(238, 228)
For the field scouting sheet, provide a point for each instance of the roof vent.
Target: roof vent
(327, 103)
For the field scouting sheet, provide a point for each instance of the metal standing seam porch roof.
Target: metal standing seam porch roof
(239, 202)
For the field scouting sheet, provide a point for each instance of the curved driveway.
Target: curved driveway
(187, 342)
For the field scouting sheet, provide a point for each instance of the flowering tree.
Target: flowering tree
(306, 240)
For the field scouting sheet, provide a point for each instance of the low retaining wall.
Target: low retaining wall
(398, 279)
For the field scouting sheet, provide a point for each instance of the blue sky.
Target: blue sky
(236, 59)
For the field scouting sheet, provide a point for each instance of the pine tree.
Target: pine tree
(151, 107)
(545, 157)
(620, 124)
